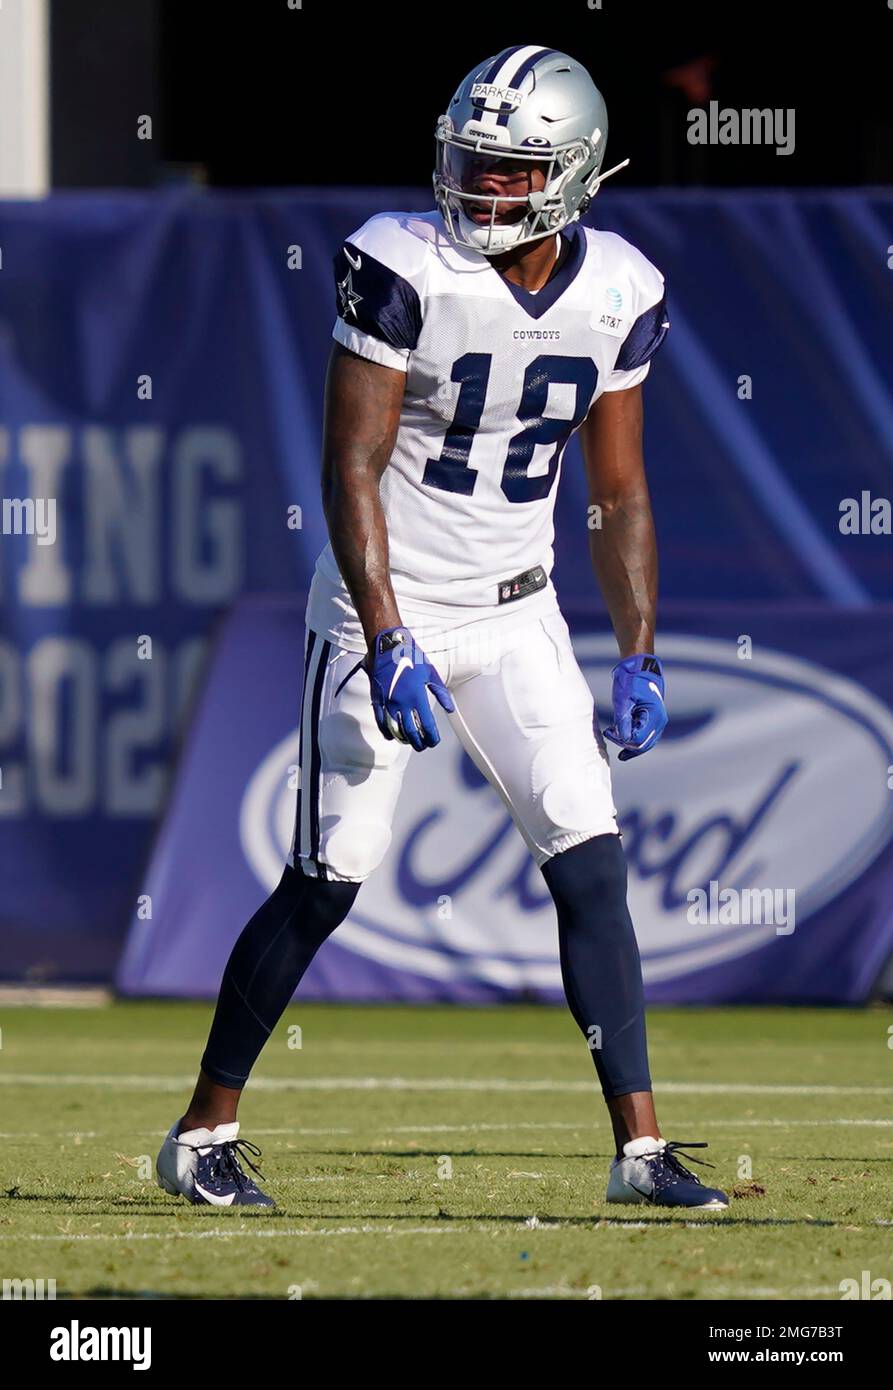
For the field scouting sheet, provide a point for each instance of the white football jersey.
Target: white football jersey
(497, 380)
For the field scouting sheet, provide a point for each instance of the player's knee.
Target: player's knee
(592, 872)
(574, 795)
(567, 804)
(302, 885)
(354, 850)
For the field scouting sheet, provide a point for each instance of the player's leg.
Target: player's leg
(528, 724)
(264, 969)
(527, 721)
(350, 778)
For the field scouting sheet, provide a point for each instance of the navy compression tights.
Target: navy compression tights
(265, 967)
(600, 964)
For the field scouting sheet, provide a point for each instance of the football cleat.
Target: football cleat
(205, 1166)
(650, 1171)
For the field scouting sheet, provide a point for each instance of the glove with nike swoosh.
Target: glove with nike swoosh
(640, 715)
(401, 676)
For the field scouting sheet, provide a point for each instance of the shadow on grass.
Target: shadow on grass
(104, 1294)
(160, 1210)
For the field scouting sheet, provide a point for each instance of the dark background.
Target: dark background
(263, 95)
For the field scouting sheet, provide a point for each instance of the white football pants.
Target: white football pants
(524, 715)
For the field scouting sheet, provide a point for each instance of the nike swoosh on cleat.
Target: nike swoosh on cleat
(212, 1199)
(355, 263)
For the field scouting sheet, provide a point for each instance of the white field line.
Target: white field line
(50, 996)
(437, 1228)
(129, 1081)
(576, 1127)
(221, 1233)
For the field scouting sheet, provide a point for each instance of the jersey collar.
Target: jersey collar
(538, 304)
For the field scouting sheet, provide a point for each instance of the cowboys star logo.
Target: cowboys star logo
(348, 296)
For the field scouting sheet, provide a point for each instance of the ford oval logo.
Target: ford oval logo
(772, 774)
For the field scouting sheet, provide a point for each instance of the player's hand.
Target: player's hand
(401, 676)
(640, 715)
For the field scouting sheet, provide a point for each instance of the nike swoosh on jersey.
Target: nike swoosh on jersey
(403, 664)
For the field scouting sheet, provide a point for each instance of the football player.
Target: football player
(471, 342)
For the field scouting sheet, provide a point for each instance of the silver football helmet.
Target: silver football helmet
(527, 108)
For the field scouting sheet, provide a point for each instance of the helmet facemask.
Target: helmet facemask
(460, 160)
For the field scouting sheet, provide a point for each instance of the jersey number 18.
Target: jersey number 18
(472, 373)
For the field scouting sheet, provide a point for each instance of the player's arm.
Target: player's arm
(623, 547)
(362, 415)
(621, 535)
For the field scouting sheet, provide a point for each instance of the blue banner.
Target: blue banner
(758, 834)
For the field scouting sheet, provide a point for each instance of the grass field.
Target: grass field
(448, 1153)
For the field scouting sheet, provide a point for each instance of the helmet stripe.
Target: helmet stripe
(517, 60)
(512, 60)
(530, 62)
(498, 61)
(518, 77)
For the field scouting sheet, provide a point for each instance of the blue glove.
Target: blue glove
(640, 715)
(401, 675)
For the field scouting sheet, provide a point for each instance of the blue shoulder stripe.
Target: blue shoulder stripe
(375, 299)
(644, 338)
